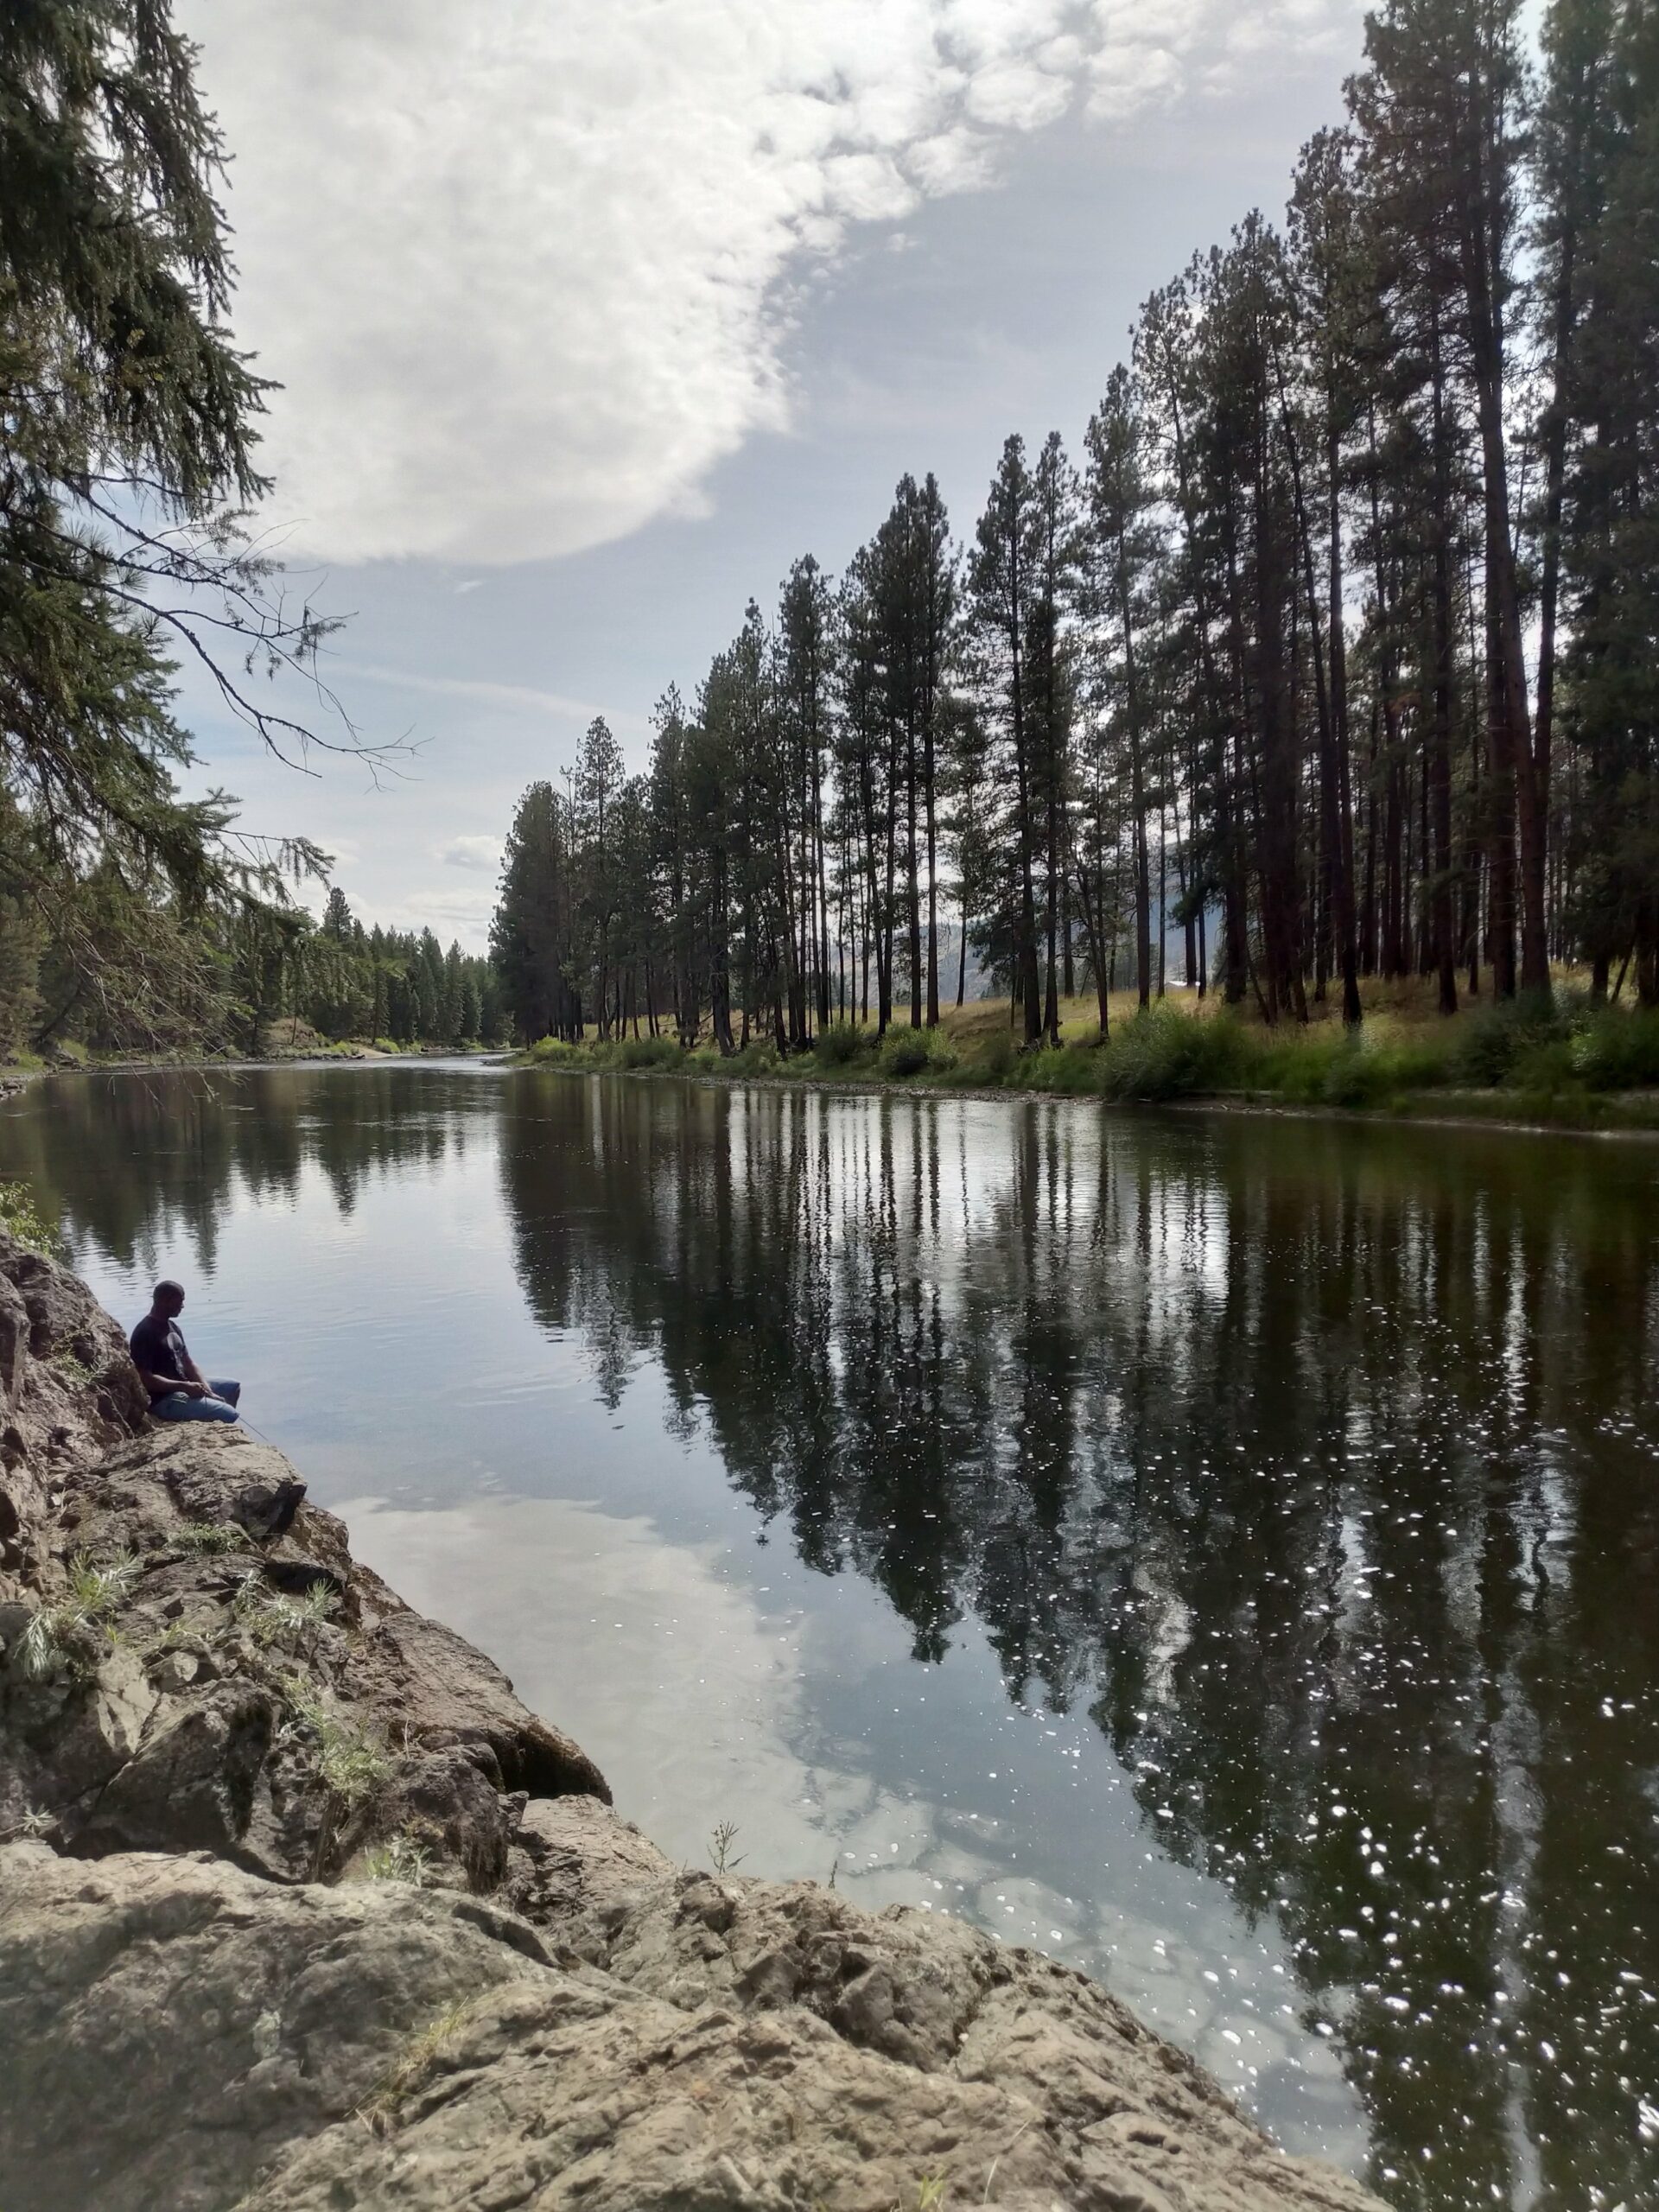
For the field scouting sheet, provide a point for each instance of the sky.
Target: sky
(588, 316)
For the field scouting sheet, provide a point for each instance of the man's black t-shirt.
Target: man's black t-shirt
(158, 1348)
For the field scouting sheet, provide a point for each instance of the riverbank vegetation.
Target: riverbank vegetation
(1331, 664)
(1570, 1062)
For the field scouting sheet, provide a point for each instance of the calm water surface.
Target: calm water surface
(1223, 1552)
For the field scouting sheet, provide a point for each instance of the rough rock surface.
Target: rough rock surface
(179, 2037)
(245, 1660)
(68, 1391)
(220, 1738)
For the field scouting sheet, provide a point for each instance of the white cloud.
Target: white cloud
(470, 852)
(464, 915)
(485, 691)
(524, 267)
(1149, 52)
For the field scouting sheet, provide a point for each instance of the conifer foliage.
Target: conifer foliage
(1338, 659)
(127, 434)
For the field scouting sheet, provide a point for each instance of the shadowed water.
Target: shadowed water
(1224, 1552)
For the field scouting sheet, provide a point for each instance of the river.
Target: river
(1223, 1552)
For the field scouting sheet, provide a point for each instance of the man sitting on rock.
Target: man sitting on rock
(178, 1389)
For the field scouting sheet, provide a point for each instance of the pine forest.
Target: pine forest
(1332, 653)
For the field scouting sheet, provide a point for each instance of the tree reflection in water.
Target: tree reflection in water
(1316, 1464)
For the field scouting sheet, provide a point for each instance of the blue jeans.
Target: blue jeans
(176, 1406)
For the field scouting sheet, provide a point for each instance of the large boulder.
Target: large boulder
(194, 1661)
(168, 2026)
(176, 2036)
(68, 1391)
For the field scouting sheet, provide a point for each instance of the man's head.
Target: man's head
(167, 1299)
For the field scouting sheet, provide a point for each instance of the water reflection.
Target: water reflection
(1311, 1468)
(131, 1163)
(1315, 1465)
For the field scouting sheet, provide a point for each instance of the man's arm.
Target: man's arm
(162, 1386)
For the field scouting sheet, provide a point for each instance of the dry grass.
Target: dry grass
(412, 2061)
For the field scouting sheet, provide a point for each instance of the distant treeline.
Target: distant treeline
(1340, 648)
(351, 984)
(243, 982)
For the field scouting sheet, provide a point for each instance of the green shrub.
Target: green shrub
(649, 1053)
(906, 1051)
(997, 1057)
(1618, 1051)
(1162, 1053)
(1365, 1070)
(1065, 1071)
(33, 1231)
(555, 1052)
(1544, 1067)
(1487, 1046)
(758, 1057)
(1352, 1076)
(903, 1052)
(840, 1045)
(1496, 1040)
(1320, 1065)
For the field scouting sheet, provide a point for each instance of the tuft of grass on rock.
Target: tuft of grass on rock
(98, 1589)
(71, 1636)
(272, 1617)
(210, 1538)
(401, 2078)
(353, 1763)
(401, 1858)
(719, 1848)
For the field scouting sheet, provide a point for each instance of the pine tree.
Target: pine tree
(1123, 547)
(530, 936)
(1000, 593)
(127, 432)
(1611, 523)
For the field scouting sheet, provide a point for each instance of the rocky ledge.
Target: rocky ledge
(300, 1907)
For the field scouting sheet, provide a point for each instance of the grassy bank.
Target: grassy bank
(70, 1059)
(1567, 1065)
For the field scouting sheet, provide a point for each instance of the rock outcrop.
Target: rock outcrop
(300, 1907)
(199, 1664)
(68, 1391)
